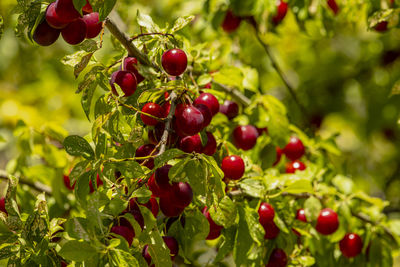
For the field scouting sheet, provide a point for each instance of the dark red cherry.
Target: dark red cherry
(66, 11)
(333, 6)
(191, 144)
(146, 254)
(245, 137)
(125, 232)
(131, 64)
(153, 187)
(292, 167)
(172, 244)
(282, 8)
(144, 151)
(279, 153)
(211, 146)
(168, 207)
(45, 35)
(162, 179)
(86, 9)
(294, 149)
(153, 109)
(52, 18)
(351, 245)
(75, 32)
(266, 213)
(215, 229)
(327, 222)
(189, 120)
(182, 194)
(271, 230)
(381, 26)
(93, 24)
(209, 100)
(231, 22)
(301, 215)
(67, 183)
(174, 62)
(229, 109)
(3, 205)
(233, 167)
(125, 80)
(205, 111)
(277, 258)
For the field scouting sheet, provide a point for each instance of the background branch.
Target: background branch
(38, 186)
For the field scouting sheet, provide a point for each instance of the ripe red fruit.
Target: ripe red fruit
(146, 254)
(277, 258)
(52, 18)
(86, 9)
(333, 6)
(174, 62)
(209, 100)
(301, 215)
(66, 11)
(93, 24)
(233, 167)
(211, 146)
(3, 205)
(144, 151)
(245, 137)
(75, 32)
(231, 22)
(153, 187)
(182, 194)
(351, 245)
(327, 222)
(153, 109)
(381, 26)
(266, 213)
(229, 109)
(294, 149)
(125, 232)
(168, 207)
(191, 144)
(67, 183)
(125, 80)
(45, 35)
(189, 120)
(292, 167)
(278, 155)
(215, 229)
(282, 8)
(172, 244)
(130, 64)
(205, 111)
(271, 230)
(161, 177)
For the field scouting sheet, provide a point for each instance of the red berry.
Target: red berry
(282, 8)
(189, 120)
(66, 11)
(3, 205)
(191, 144)
(153, 109)
(162, 179)
(172, 244)
(351, 245)
(45, 35)
(153, 187)
(86, 9)
(277, 258)
(52, 18)
(182, 194)
(278, 155)
(130, 64)
(266, 213)
(231, 22)
(67, 183)
(146, 254)
(205, 111)
(292, 167)
(93, 25)
(301, 215)
(168, 207)
(211, 146)
(327, 222)
(333, 6)
(134, 210)
(294, 149)
(233, 167)
(245, 137)
(144, 151)
(229, 109)
(215, 229)
(75, 32)
(125, 80)
(381, 26)
(271, 230)
(125, 232)
(209, 100)
(174, 62)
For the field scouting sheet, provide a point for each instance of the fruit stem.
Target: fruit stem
(35, 185)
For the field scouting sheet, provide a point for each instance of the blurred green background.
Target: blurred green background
(345, 75)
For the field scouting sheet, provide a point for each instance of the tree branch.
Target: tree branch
(365, 218)
(35, 185)
(168, 123)
(235, 93)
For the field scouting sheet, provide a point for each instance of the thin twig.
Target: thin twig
(35, 185)
(235, 93)
(168, 123)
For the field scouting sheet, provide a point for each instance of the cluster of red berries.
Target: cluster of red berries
(62, 17)
(127, 77)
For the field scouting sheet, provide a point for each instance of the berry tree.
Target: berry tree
(187, 162)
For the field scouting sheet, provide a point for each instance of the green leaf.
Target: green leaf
(344, 184)
(141, 192)
(77, 228)
(82, 187)
(299, 186)
(104, 8)
(1, 26)
(197, 176)
(79, 4)
(101, 146)
(312, 207)
(230, 76)
(225, 212)
(228, 241)
(147, 22)
(159, 252)
(181, 23)
(130, 169)
(78, 146)
(78, 170)
(177, 173)
(166, 156)
(256, 230)
(79, 60)
(243, 240)
(77, 251)
(87, 96)
(125, 259)
(253, 187)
